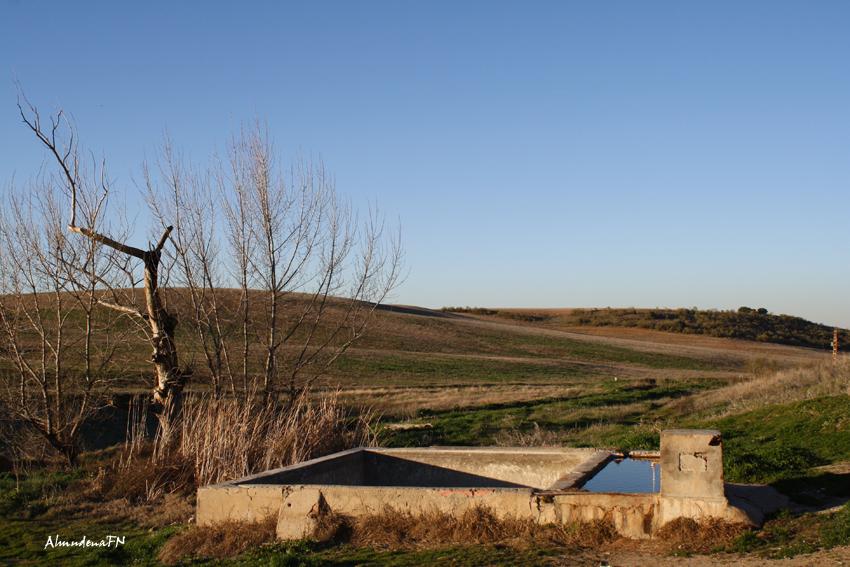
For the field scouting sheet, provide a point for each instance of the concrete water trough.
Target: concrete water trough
(543, 484)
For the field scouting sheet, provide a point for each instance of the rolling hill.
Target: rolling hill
(745, 323)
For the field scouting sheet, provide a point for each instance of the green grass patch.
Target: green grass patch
(23, 542)
(300, 553)
(414, 370)
(786, 535)
(568, 416)
(782, 441)
(29, 495)
(24, 530)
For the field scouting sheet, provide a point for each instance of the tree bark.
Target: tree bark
(169, 378)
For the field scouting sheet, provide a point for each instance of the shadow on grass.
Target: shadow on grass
(819, 491)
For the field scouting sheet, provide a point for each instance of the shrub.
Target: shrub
(744, 323)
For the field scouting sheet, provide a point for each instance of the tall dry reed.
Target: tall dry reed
(211, 440)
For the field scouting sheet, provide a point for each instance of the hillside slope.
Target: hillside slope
(745, 323)
(414, 358)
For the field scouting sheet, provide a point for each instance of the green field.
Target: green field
(482, 380)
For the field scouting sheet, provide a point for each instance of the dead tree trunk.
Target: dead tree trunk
(160, 323)
(169, 377)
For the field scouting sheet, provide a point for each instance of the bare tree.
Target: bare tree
(310, 273)
(236, 207)
(160, 323)
(59, 344)
(312, 259)
(188, 204)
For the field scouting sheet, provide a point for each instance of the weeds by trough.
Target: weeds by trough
(217, 542)
(211, 440)
(393, 530)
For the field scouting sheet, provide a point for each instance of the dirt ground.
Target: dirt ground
(830, 557)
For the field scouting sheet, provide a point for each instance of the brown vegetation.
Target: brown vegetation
(212, 440)
(393, 529)
(782, 386)
(690, 536)
(217, 542)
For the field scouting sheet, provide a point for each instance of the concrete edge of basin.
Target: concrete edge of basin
(250, 479)
(246, 480)
(483, 450)
(582, 473)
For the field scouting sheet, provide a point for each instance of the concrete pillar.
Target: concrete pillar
(691, 463)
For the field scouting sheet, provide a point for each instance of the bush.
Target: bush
(744, 323)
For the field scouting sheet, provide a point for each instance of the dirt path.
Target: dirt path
(710, 348)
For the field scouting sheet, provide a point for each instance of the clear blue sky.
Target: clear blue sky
(537, 153)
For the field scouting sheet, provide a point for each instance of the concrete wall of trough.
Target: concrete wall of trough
(298, 507)
(691, 487)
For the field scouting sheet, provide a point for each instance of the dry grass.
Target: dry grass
(537, 437)
(214, 440)
(397, 530)
(407, 402)
(233, 438)
(747, 348)
(641, 324)
(145, 476)
(689, 536)
(217, 542)
(701, 346)
(783, 386)
(394, 529)
(171, 510)
(390, 530)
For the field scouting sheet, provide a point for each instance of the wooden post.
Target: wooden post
(835, 345)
